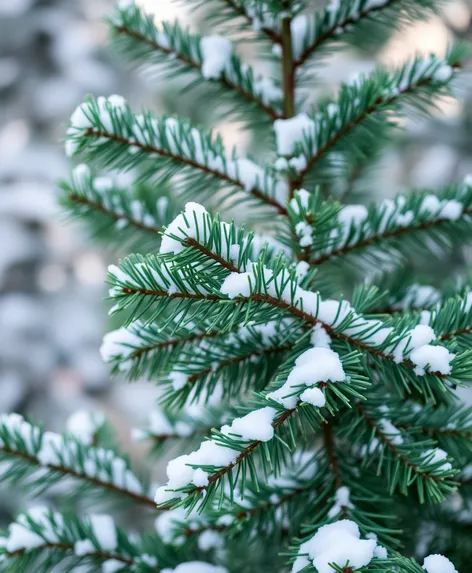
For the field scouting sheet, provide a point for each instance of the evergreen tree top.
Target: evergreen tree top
(307, 375)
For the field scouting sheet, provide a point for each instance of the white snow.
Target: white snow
(56, 450)
(196, 567)
(313, 366)
(84, 425)
(338, 543)
(104, 530)
(437, 456)
(443, 74)
(238, 284)
(20, 536)
(304, 232)
(178, 380)
(166, 524)
(418, 336)
(342, 500)
(299, 27)
(313, 396)
(319, 337)
(267, 90)
(120, 343)
(303, 198)
(419, 296)
(256, 425)
(190, 224)
(392, 432)
(290, 132)
(210, 540)
(432, 358)
(112, 565)
(216, 55)
(438, 564)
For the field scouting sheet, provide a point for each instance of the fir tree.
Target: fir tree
(315, 434)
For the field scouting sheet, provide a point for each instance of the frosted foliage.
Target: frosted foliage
(338, 543)
(256, 425)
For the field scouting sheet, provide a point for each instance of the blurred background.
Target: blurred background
(52, 313)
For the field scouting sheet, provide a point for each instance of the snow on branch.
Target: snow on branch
(281, 502)
(339, 543)
(64, 538)
(403, 459)
(366, 103)
(260, 15)
(308, 383)
(211, 57)
(108, 130)
(419, 221)
(205, 282)
(341, 18)
(44, 458)
(107, 205)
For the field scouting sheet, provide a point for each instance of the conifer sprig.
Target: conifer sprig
(339, 21)
(41, 459)
(139, 39)
(326, 231)
(107, 130)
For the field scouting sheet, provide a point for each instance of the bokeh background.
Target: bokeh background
(52, 313)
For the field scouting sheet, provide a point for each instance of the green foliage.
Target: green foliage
(292, 408)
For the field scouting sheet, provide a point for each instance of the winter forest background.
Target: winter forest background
(52, 317)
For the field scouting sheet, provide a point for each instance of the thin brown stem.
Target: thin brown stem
(458, 332)
(331, 451)
(173, 342)
(288, 70)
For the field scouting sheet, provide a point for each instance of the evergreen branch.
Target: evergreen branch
(338, 20)
(277, 288)
(30, 450)
(144, 40)
(234, 445)
(323, 231)
(106, 206)
(109, 130)
(368, 103)
(42, 538)
(409, 462)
